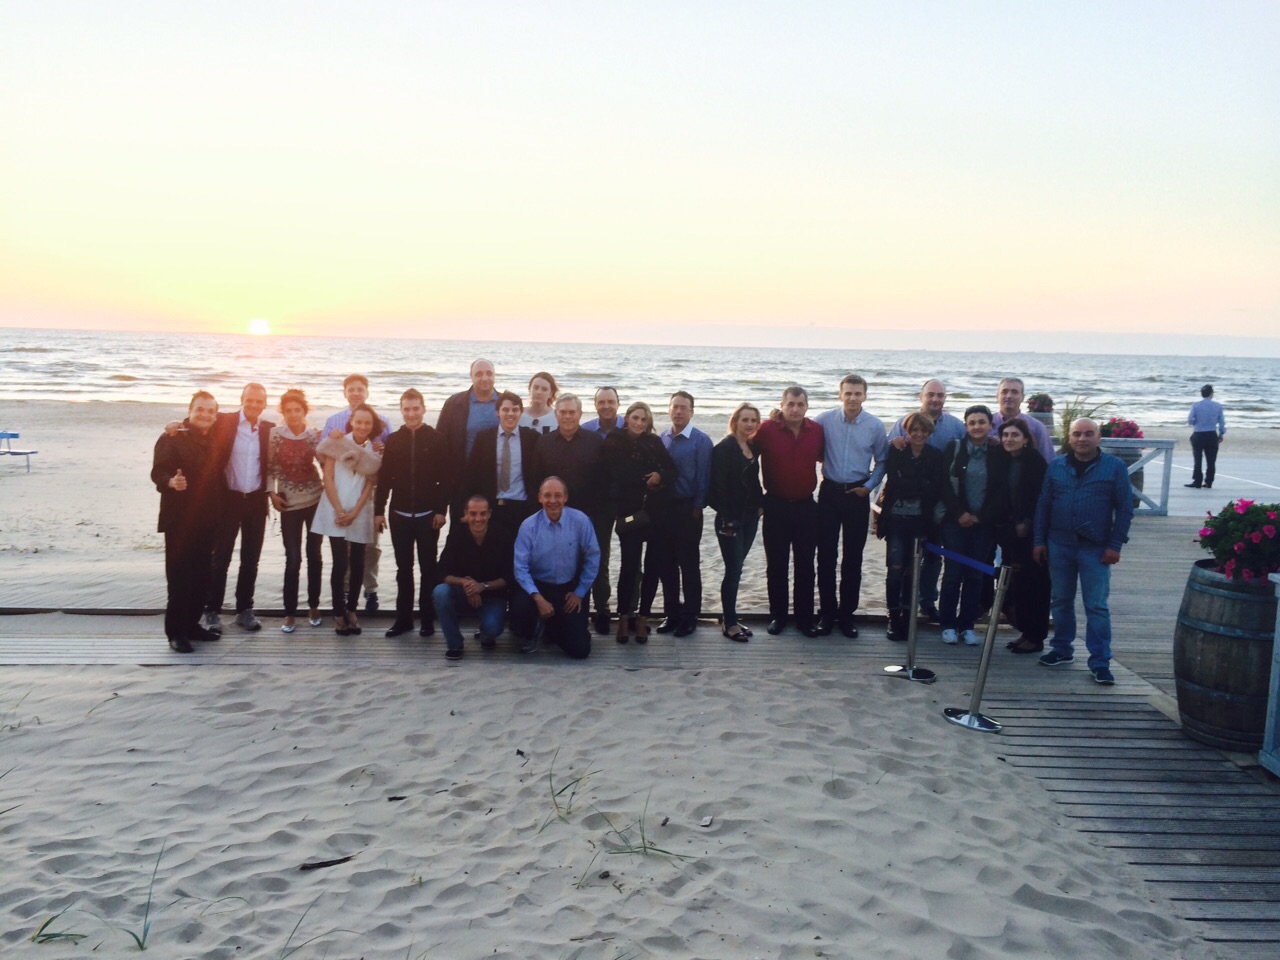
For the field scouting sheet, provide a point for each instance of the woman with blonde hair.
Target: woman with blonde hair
(737, 499)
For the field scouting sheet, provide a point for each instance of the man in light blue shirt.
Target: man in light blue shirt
(607, 418)
(556, 561)
(678, 533)
(933, 397)
(1208, 430)
(854, 449)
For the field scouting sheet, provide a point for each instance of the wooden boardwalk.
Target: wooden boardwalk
(1199, 826)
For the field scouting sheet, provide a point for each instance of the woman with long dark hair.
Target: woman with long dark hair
(640, 474)
(296, 491)
(1029, 593)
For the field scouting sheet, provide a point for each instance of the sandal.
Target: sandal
(739, 634)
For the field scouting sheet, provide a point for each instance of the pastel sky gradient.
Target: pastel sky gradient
(648, 171)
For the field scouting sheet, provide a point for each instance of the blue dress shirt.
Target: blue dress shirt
(593, 425)
(691, 451)
(1206, 417)
(850, 446)
(340, 420)
(558, 552)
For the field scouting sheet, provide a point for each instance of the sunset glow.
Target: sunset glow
(611, 172)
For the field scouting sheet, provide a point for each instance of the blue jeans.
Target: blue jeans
(1067, 562)
(734, 550)
(450, 601)
(962, 585)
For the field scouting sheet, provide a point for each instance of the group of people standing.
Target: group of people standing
(536, 497)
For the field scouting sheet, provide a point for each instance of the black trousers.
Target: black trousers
(410, 536)
(790, 535)
(1204, 445)
(186, 573)
(677, 537)
(294, 525)
(846, 514)
(243, 515)
(342, 553)
(509, 514)
(568, 631)
(1030, 588)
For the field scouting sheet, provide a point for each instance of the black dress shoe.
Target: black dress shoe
(206, 636)
(1208, 486)
(825, 626)
(601, 622)
(808, 628)
(668, 625)
(687, 626)
(181, 645)
(849, 628)
(399, 628)
(930, 612)
(428, 629)
(776, 626)
(1194, 486)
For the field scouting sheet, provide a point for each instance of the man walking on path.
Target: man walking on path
(1082, 521)
(853, 460)
(1208, 430)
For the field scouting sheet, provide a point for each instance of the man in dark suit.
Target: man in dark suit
(185, 471)
(241, 445)
(462, 417)
(501, 466)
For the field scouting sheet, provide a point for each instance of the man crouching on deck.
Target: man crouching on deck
(185, 471)
(556, 561)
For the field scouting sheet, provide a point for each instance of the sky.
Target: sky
(797, 173)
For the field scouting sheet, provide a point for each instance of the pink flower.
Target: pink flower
(1270, 531)
(1228, 567)
(1243, 505)
(1247, 574)
(1271, 514)
(1207, 531)
(1239, 547)
(1256, 537)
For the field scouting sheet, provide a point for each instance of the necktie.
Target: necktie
(504, 468)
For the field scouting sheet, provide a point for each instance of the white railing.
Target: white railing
(1137, 453)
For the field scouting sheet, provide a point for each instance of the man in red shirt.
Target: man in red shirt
(790, 448)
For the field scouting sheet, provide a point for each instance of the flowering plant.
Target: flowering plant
(1120, 429)
(1039, 403)
(1243, 539)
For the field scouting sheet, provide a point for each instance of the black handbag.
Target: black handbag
(634, 523)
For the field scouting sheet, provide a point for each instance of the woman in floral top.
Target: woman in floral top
(296, 489)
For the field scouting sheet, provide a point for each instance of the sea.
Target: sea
(164, 368)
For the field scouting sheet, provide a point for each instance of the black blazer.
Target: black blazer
(735, 481)
(452, 424)
(482, 465)
(195, 509)
(628, 460)
(995, 506)
(224, 438)
(1022, 498)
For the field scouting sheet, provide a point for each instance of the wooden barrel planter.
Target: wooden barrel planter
(1222, 658)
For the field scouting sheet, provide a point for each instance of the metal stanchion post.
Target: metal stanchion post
(973, 718)
(911, 671)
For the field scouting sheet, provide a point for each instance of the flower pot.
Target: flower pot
(1222, 658)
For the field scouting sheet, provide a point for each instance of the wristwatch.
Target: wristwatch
(484, 586)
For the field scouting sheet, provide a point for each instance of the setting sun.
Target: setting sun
(259, 327)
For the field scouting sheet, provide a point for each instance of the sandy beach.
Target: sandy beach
(490, 813)
(79, 530)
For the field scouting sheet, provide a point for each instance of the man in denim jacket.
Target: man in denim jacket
(1082, 521)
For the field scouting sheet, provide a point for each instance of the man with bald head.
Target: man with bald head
(462, 417)
(1082, 522)
(933, 398)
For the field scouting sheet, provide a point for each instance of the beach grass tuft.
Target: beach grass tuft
(287, 951)
(564, 796)
(629, 845)
(44, 935)
(141, 935)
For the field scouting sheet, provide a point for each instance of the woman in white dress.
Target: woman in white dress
(345, 512)
(539, 413)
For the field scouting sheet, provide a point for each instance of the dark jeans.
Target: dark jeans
(340, 551)
(734, 550)
(1030, 590)
(961, 584)
(567, 630)
(1204, 444)
(292, 523)
(899, 555)
(410, 535)
(186, 573)
(630, 578)
(847, 513)
(451, 602)
(244, 514)
(677, 537)
(790, 533)
(603, 520)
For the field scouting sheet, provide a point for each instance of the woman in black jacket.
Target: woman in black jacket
(736, 498)
(912, 487)
(1029, 595)
(640, 474)
(974, 501)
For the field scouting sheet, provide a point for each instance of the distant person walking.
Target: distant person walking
(1208, 430)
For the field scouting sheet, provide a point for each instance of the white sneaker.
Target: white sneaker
(970, 638)
(247, 621)
(213, 623)
(949, 636)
